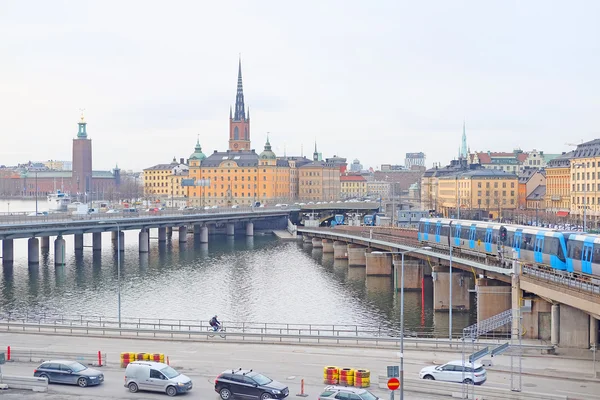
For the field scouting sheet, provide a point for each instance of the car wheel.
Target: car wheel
(266, 396)
(171, 391)
(133, 387)
(468, 381)
(45, 376)
(225, 394)
(82, 382)
(429, 378)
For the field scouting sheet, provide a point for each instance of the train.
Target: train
(573, 253)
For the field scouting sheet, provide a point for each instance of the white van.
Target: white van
(155, 376)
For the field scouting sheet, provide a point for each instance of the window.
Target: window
(156, 374)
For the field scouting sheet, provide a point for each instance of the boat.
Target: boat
(58, 201)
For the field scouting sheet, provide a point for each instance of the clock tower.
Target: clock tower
(239, 121)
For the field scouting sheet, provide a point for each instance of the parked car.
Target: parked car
(38, 214)
(112, 211)
(156, 377)
(453, 372)
(248, 384)
(65, 371)
(235, 206)
(346, 392)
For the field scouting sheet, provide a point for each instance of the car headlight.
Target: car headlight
(180, 384)
(275, 391)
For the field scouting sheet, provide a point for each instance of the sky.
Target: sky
(371, 80)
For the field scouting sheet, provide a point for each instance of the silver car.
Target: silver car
(65, 371)
(347, 392)
(156, 377)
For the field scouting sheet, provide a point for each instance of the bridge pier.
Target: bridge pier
(121, 240)
(555, 324)
(493, 297)
(143, 239)
(379, 264)
(413, 273)
(182, 234)
(317, 243)
(204, 234)
(230, 229)
(306, 239)
(97, 241)
(33, 251)
(113, 236)
(356, 255)
(441, 289)
(78, 241)
(340, 250)
(574, 327)
(593, 331)
(59, 251)
(45, 242)
(8, 251)
(249, 228)
(162, 235)
(327, 246)
(169, 231)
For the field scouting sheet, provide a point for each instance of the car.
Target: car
(65, 371)
(38, 214)
(235, 206)
(215, 206)
(278, 205)
(453, 372)
(156, 377)
(339, 201)
(346, 392)
(112, 211)
(207, 207)
(248, 384)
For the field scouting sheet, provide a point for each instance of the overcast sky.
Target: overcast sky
(367, 79)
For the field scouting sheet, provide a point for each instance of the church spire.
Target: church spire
(316, 153)
(240, 109)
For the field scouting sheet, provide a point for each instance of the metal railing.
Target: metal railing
(185, 332)
(41, 355)
(590, 286)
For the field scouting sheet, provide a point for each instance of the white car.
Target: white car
(453, 372)
(235, 206)
(277, 205)
(112, 211)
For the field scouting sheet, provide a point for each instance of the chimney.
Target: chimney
(181, 160)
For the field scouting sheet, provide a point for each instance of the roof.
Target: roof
(538, 193)
(243, 158)
(320, 164)
(65, 174)
(550, 157)
(486, 157)
(352, 178)
(481, 173)
(562, 161)
(161, 167)
(587, 149)
(529, 172)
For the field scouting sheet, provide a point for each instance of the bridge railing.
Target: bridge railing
(586, 286)
(24, 218)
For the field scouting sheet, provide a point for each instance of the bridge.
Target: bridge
(201, 224)
(556, 307)
(341, 206)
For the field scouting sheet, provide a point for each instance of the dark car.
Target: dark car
(72, 372)
(248, 384)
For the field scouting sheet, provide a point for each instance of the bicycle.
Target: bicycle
(220, 331)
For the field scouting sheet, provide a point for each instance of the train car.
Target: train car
(530, 244)
(583, 254)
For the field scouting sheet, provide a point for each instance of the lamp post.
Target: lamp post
(402, 253)
(118, 265)
(582, 165)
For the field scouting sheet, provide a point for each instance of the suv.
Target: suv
(453, 372)
(346, 393)
(248, 384)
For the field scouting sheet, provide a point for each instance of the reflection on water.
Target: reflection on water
(254, 279)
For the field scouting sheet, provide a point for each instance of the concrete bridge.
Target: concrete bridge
(554, 307)
(59, 225)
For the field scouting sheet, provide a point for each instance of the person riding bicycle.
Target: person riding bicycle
(215, 323)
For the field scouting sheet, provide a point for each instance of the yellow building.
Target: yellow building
(558, 185)
(353, 186)
(585, 180)
(162, 182)
(319, 180)
(485, 192)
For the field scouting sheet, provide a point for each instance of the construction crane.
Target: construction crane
(573, 144)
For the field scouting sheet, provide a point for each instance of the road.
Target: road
(288, 363)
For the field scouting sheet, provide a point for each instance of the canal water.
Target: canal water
(256, 279)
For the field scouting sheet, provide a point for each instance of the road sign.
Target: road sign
(477, 355)
(393, 371)
(393, 384)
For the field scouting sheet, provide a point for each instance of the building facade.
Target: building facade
(558, 185)
(163, 181)
(585, 180)
(353, 186)
(529, 180)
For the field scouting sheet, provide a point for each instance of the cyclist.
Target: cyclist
(214, 323)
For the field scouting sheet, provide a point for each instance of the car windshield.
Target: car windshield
(261, 379)
(368, 396)
(169, 372)
(76, 367)
(480, 369)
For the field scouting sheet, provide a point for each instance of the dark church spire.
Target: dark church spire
(240, 109)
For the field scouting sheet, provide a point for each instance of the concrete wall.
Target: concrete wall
(356, 255)
(574, 328)
(460, 289)
(413, 274)
(537, 322)
(379, 264)
(493, 297)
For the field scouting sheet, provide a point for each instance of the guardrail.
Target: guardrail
(39, 355)
(454, 389)
(590, 286)
(255, 337)
(25, 382)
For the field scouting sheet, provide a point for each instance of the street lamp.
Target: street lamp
(402, 253)
(118, 265)
(582, 165)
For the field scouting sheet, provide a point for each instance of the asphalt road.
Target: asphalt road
(289, 364)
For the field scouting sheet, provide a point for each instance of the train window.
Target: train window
(559, 251)
(480, 234)
(574, 249)
(445, 230)
(421, 227)
(528, 241)
(550, 245)
(596, 254)
(509, 238)
(432, 229)
(464, 233)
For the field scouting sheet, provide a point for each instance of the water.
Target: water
(13, 205)
(257, 279)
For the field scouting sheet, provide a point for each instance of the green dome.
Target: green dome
(267, 153)
(197, 154)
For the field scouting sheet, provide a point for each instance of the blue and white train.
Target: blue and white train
(577, 253)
